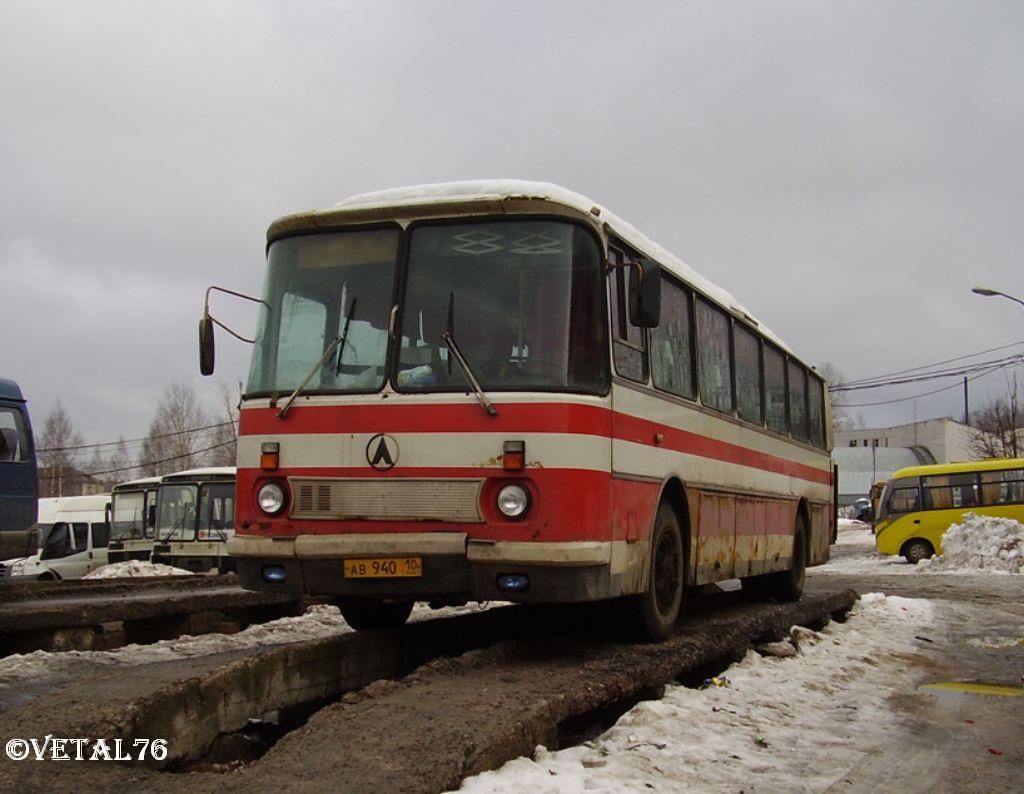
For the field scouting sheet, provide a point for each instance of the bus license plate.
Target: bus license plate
(384, 568)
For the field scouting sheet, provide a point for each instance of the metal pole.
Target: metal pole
(967, 414)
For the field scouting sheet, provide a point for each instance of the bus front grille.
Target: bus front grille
(386, 499)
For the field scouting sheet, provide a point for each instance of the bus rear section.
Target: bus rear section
(195, 519)
(133, 520)
(18, 476)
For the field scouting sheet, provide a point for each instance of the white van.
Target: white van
(73, 541)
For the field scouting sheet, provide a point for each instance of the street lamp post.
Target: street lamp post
(988, 293)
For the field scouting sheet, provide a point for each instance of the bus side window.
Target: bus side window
(748, 375)
(714, 357)
(775, 390)
(1002, 487)
(672, 342)
(903, 500)
(797, 402)
(628, 347)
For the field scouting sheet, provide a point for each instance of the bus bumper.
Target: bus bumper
(453, 567)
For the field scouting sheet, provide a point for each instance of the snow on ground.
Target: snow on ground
(980, 543)
(854, 553)
(318, 621)
(777, 724)
(134, 568)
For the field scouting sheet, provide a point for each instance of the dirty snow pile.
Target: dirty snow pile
(980, 543)
(135, 568)
(798, 718)
(318, 621)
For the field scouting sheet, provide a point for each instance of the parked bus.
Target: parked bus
(133, 519)
(921, 502)
(500, 390)
(195, 518)
(18, 476)
(73, 545)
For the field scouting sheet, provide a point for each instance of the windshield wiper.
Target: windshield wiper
(448, 337)
(338, 343)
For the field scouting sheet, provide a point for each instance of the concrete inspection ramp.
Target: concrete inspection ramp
(465, 712)
(104, 614)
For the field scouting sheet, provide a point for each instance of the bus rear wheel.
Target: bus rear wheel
(373, 613)
(916, 550)
(656, 610)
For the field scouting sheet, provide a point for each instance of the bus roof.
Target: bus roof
(9, 390)
(990, 464)
(500, 196)
(203, 473)
(136, 484)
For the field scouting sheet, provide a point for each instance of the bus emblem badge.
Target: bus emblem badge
(382, 452)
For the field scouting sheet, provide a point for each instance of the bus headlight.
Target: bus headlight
(513, 500)
(271, 498)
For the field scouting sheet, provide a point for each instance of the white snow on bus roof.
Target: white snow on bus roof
(500, 189)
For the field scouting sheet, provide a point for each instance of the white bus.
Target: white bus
(501, 390)
(195, 518)
(132, 519)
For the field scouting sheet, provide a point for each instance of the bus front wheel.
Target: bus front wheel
(656, 610)
(373, 613)
(916, 550)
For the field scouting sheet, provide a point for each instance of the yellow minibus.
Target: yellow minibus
(921, 502)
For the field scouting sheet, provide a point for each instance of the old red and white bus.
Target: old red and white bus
(500, 390)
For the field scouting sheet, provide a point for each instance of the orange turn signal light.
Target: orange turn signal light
(513, 456)
(270, 455)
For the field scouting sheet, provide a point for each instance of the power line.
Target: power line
(134, 441)
(982, 365)
(858, 381)
(924, 394)
(143, 465)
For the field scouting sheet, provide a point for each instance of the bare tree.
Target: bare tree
(223, 438)
(841, 416)
(58, 470)
(997, 428)
(176, 435)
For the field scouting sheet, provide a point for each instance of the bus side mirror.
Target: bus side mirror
(645, 293)
(206, 346)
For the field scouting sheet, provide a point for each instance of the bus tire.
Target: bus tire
(916, 550)
(373, 613)
(655, 611)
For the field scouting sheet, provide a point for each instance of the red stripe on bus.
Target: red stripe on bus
(405, 418)
(516, 418)
(642, 431)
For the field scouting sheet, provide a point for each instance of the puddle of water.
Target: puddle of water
(974, 688)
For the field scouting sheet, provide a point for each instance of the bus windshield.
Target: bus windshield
(314, 283)
(176, 512)
(128, 515)
(216, 511)
(522, 299)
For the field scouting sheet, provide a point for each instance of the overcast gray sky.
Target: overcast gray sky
(847, 169)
